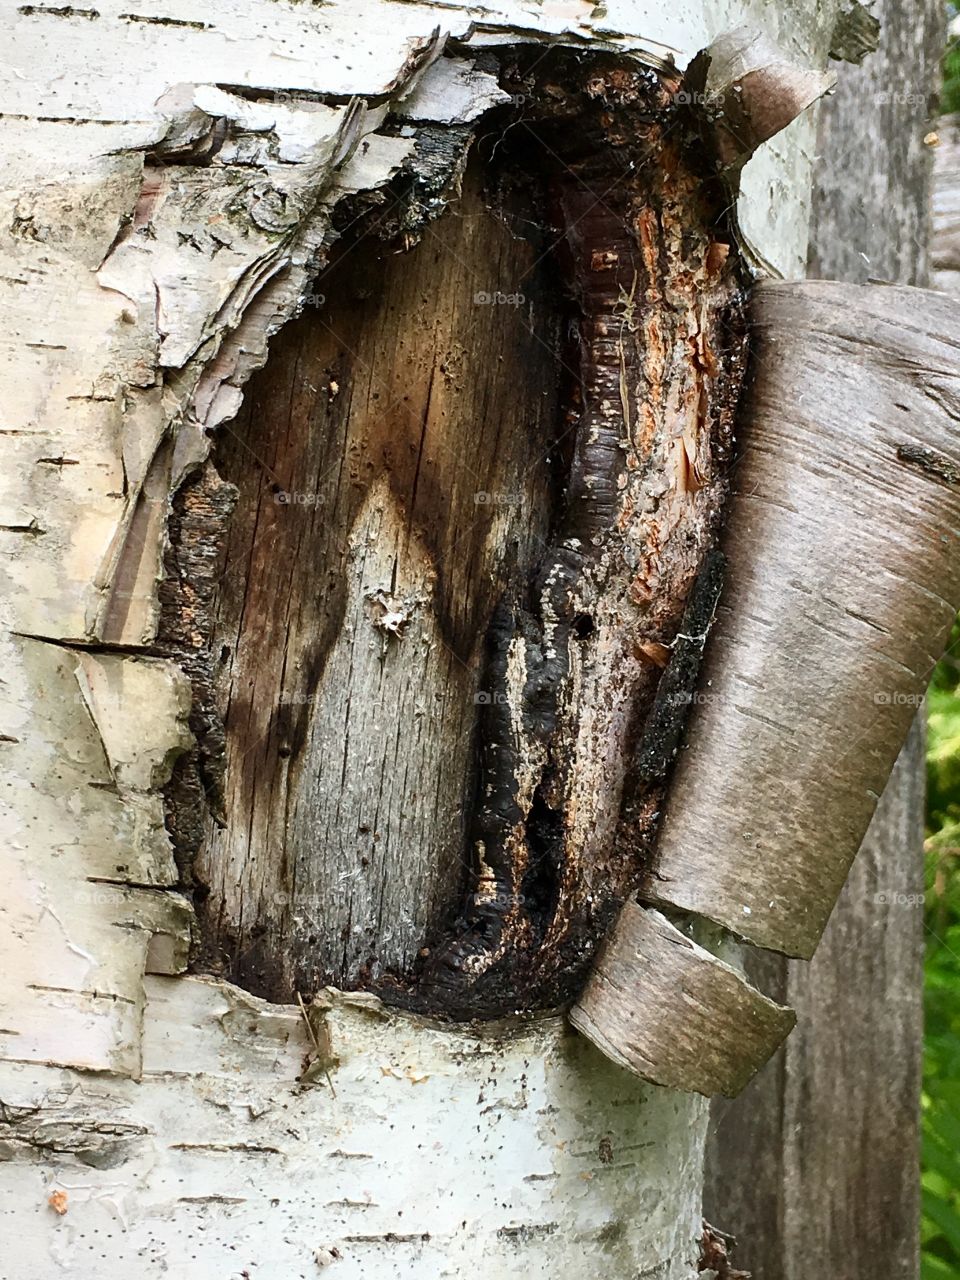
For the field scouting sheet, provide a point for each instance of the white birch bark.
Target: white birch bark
(154, 1121)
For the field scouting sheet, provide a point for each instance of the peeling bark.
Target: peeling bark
(631, 1008)
(843, 582)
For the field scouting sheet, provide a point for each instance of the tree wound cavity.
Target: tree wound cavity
(431, 582)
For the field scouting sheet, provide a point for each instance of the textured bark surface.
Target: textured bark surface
(819, 1155)
(838, 1192)
(417, 1152)
(645, 972)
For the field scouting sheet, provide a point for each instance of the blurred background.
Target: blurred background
(941, 1068)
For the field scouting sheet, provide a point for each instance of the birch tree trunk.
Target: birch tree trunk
(241, 687)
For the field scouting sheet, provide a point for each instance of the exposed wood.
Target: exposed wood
(837, 1193)
(664, 1007)
(843, 582)
(393, 471)
(559, 835)
(435, 551)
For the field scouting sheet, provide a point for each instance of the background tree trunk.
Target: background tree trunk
(815, 1166)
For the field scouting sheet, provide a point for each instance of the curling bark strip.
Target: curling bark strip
(843, 580)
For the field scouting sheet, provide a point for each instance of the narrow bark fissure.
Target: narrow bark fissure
(194, 562)
(554, 615)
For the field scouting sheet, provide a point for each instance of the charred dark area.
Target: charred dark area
(582, 629)
(604, 145)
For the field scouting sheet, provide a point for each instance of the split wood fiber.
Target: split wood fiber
(488, 611)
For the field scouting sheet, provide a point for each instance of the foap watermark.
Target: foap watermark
(498, 299)
(887, 898)
(897, 698)
(486, 498)
(899, 98)
(692, 698)
(298, 498)
(698, 98)
(501, 901)
(99, 895)
(290, 699)
(484, 698)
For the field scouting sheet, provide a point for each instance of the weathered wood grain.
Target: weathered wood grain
(472, 535)
(843, 582)
(672, 1012)
(390, 481)
(651, 368)
(816, 1163)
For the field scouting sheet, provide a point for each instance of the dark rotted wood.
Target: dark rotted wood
(814, 1166)
(393, 469)
(475, 486)
(843, 581)
(563, 822)
(669, 1010)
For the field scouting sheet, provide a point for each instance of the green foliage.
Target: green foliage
(940, 1231)
(940, 1226)
(950, 94)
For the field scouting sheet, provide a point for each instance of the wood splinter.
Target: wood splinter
(842, 583)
